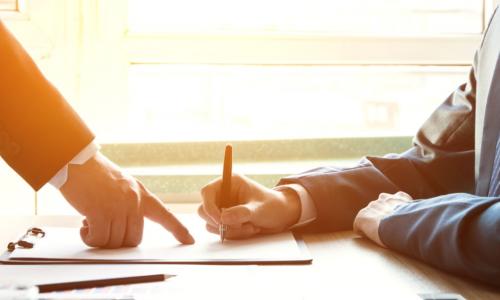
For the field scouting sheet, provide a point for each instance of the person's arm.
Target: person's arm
(39, 131)
(443, 148)
(82, 157)
(40, 134)
(459, 233)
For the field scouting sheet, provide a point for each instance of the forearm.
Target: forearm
(338, 194)
(443, 147)
(458, 233)
(39, 131)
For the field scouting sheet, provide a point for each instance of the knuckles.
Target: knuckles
(130, 195)
(200, 211)
(204, 190)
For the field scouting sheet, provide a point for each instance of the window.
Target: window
(164, 84)
(8, 5)
(358, 17)
(247, 102)
(238, 70)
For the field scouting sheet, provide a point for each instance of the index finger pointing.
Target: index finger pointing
(157, 212)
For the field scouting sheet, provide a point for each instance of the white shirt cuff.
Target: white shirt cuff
(62, 176)
(308, 209)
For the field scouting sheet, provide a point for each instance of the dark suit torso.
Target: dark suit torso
(456, 228)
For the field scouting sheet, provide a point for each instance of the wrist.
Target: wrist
(292, 205)
(60, 178)
(76, 171)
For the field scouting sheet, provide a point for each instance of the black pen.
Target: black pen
(86, 284)
(224, 200)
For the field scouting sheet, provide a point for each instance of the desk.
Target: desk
(344, 265)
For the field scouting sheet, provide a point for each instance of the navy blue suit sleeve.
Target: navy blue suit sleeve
(459, 233)
(443, 148)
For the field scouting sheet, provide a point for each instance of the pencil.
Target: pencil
(225, 195)
(71, 285)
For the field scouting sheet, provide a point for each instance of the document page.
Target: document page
(159, 245)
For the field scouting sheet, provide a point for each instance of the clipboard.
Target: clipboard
(59, 245)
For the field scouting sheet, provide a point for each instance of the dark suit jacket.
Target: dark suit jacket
(39, 131)
(453, 153)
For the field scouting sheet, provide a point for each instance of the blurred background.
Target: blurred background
(292, 84)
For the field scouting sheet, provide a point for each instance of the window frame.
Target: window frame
(107, 41)
(302, 50)
(321, 49)
(15, 9)
(96, 31)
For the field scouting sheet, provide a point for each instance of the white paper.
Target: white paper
(159, 245)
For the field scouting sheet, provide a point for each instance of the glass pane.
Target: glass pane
(8, 5)
(198, 103)
(364, 17)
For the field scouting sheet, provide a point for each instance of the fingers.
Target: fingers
(399, 197)
(205, 217)
(384, 196)
(356, 227)
(211, 192)
(157, 212)
(118, 227)
(247, 230)
(110, 233)
(237, 218)
(96, 232)
(133, 235)
(404, 195)
(251, 203)
(209, 195)
(367, 222)
(237, 215)
(368, 219)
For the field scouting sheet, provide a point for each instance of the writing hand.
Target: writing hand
(257, 209)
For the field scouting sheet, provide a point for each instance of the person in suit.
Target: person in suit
(44, 140)
(438, 202)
